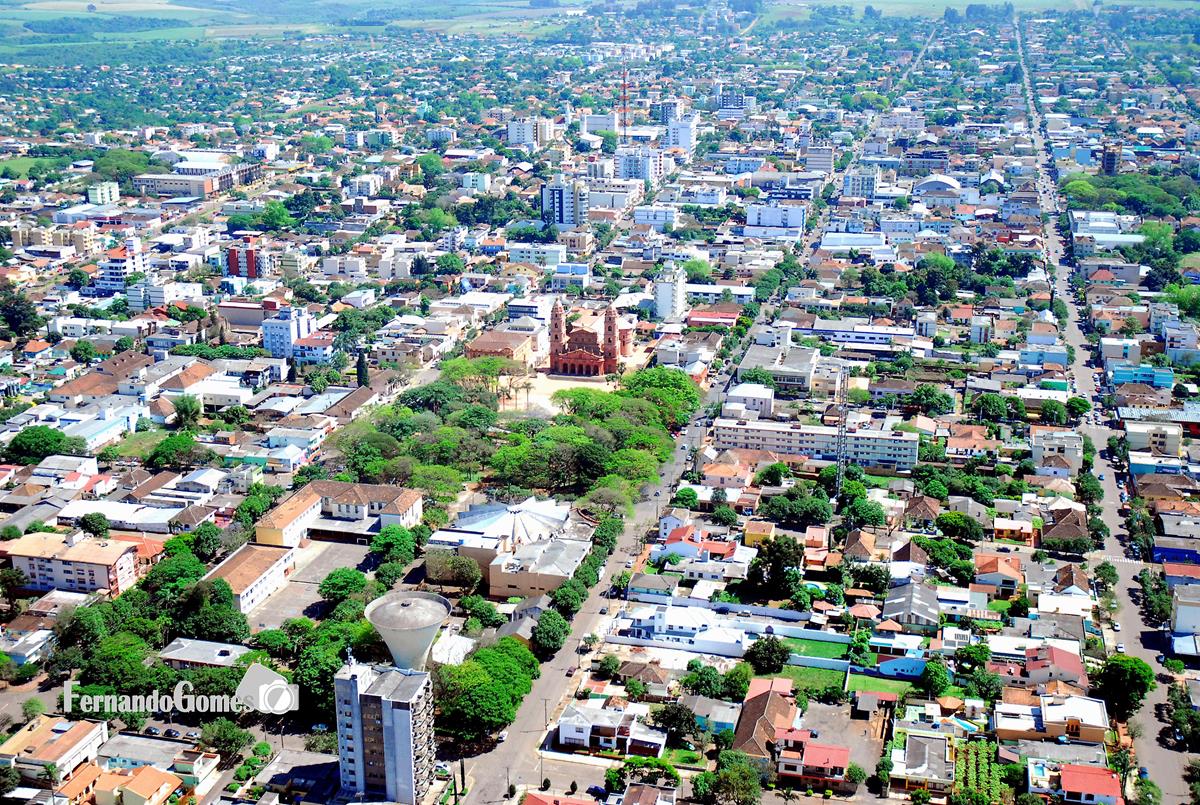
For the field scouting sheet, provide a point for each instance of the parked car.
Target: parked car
(502, 737)
(192, 734)
(1116, 626)
(571, 671)
(172, 733)
(597, 791)
(1143, 773)
(1120, 648)
(153, 731)
(603, 610)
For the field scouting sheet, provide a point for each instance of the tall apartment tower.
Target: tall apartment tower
(565, 202)
(670, 299)
(385, 732)
(1110, 158)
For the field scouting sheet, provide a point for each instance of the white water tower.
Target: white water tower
(408, 622)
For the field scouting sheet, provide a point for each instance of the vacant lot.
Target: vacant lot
(811, 678)
(816, 648)
(877, 684)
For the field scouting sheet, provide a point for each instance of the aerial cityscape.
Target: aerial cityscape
(541, 402)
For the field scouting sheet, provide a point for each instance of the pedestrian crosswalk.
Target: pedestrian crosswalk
(1122, 560)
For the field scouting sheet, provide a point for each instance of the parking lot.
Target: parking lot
(299, 597)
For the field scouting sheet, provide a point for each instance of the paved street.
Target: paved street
(1165, 765)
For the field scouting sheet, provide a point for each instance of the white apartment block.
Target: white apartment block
(541, 254)
(1160, 438)
(74, 562)
(645, 163)
(565, 202)
(658, 216)
(861, 183)
(104, 193)
(281, 333)
(868, 447)
(385, 732)
(121, 263)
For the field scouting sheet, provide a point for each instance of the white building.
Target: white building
(865, 446)
(681, 134)
(781, 216)
(861, 183)
(478, 182)
(670, 301)
(645, 163)
(281, 333)
(541, 254)
(74, 562)
(659, 216)
(104, 193)
(565, 202)
(385, 732)
(121, 263)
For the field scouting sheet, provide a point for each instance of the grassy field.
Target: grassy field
(22, 164)
(137, 445)
(875, 684)
(683, 757)
(811, 678)
(816, 648)
(1190, 260)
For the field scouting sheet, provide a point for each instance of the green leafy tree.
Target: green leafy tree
(83, 352)
(395, 543)
(225, 737)
(550, 633)
(767, 655)
(568, 597)
(934, 678)
(187, 410)
(342, 583)
(1124, 682)
(36, 442)
(677, 721)
(95, 523)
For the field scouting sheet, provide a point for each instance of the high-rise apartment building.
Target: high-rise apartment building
(104, 193)
(565, 202)
(281, 333)
(385, 731)
(670, 301)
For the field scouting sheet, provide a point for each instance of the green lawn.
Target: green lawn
(1000, 605)
(683, 757)
(811, 678)
(875, 684)
(137, 445)
(22, 164)
(816, 648)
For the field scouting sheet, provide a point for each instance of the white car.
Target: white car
(1120, 648)
(1116, 627)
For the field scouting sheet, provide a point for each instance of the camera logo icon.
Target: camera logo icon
(267, 692)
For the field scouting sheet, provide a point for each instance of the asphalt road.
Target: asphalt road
(1165, 765)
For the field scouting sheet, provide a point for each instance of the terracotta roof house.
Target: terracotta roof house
(763, 715)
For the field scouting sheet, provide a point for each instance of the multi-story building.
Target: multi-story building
(104, 193)
(645, 163)
(861, 182)
(74, 562)
(119, 265)
(385, 732)
(1161, 438)
(819, 159)
(541, 254)
(170, 184)
(670, 301)
(339, 510)
(681, 134)
(532, 132)
(281, 333)
(1048, 441)
(658, 216)
(246, 258)
(865, 446)
(53, 741)
(565, 202)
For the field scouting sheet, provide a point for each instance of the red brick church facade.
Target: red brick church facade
(593, 346)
